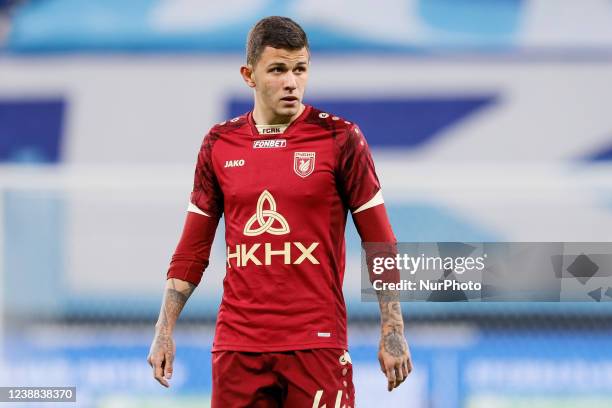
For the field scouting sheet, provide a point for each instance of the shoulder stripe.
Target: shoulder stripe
(194, 209)
(374, 201)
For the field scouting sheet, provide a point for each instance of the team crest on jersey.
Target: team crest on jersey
(303, 163)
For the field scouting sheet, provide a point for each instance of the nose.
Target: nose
(290, 82)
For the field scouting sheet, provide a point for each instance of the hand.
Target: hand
(161, 356)
(394, 357)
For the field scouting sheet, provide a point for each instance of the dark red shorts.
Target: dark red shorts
(292, 379)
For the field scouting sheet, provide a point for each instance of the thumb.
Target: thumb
(382, 364)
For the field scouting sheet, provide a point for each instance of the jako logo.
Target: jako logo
(266, 220)
(234, 163)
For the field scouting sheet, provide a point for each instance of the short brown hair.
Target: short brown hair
(276, 32)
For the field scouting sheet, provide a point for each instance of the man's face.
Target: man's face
(280, 78)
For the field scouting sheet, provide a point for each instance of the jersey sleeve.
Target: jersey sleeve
(356, 176)
(206, 196)
(377, 239)
(360, 190)
(191, 255)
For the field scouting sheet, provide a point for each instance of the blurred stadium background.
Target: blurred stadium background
(489, 121)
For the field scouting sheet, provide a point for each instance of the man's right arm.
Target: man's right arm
(185, 272)
(163, 349)
(190, 257)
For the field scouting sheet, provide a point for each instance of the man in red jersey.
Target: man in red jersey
(285, 175)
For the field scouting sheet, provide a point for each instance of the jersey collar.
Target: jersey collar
(272, 130)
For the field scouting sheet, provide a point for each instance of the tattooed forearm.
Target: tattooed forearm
(161, 354)
(173, 305)
(392, 323)
(390, 309)
(177, 294)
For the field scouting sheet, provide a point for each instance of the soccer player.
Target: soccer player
(285, 175)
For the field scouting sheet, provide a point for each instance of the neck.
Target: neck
(268, 117)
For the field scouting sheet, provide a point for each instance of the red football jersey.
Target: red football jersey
(285, 192)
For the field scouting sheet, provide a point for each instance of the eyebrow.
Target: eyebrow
(282, 64)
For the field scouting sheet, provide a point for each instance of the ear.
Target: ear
(247, 75)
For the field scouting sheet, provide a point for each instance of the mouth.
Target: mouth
(289, 99)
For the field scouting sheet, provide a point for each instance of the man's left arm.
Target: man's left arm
(361, 191)
(393, 353)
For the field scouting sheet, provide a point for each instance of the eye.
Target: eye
(276, 69)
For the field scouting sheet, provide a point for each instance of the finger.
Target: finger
(159, 374)
(398, 380)
(168, 369)
(405, 369)
(399, 374)
(390, 379)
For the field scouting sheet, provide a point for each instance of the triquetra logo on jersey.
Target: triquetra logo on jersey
(266, 218)
(303, 163)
